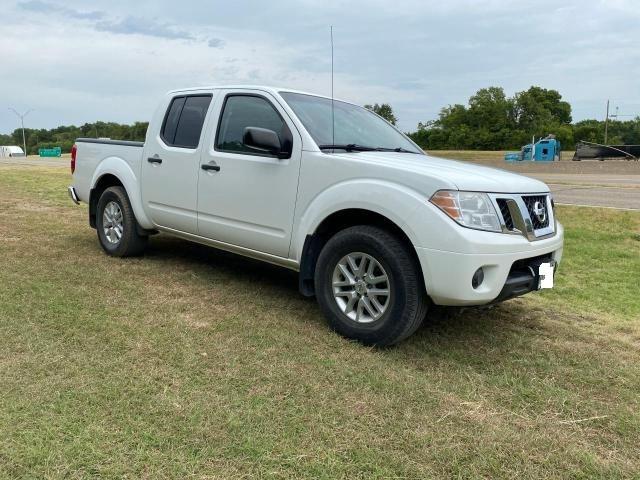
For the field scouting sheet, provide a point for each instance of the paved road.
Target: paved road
(615, 191)
(598, 190)
(621, 180)
(613, 197)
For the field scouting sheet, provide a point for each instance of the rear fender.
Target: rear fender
(122, 171)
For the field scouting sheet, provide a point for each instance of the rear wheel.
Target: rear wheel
(369, 286)
(117, 226)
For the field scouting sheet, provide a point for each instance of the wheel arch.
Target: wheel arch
(114, 171)
(105, 181)
(332, 224)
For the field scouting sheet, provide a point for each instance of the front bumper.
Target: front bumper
(523, 277)
(448, 275)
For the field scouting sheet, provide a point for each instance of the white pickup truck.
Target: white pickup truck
(377, 230)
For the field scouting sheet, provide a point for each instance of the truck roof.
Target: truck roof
(270, 89)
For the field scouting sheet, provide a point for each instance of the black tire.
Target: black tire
(407, 302)
(131, 243)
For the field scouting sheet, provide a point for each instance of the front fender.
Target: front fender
(120, 169)
(394, 201)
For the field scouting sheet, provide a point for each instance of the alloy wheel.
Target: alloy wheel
(361, 287)
(112, 222)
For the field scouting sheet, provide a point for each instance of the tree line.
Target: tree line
(489, 121)
(493, 121)
(65, 136)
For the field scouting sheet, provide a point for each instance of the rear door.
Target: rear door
(170, 164)
(249, 198)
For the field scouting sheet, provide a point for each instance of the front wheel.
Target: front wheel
(117, 225)
(369, 286)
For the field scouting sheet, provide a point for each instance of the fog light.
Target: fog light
(478, 278)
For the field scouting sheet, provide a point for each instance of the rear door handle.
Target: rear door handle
(208, 166)
(154, 160)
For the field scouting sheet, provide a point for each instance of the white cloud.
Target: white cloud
(47, 8)
(142, 26)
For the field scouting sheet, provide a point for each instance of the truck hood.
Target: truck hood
(456, 174)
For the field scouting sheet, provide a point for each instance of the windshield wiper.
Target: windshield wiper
(354, 147)
(397, 149)
(349, 147)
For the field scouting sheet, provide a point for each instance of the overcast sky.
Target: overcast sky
(78, 61)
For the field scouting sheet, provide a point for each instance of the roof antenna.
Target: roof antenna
(333, 122)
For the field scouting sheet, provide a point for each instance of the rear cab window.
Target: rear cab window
(184, 120)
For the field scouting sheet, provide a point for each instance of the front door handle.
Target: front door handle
(208, 166)
(154, 160)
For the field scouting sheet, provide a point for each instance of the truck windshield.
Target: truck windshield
(356, 128)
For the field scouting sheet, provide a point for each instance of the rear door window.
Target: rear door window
(184, 120)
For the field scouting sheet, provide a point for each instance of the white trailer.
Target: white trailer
(11, 151)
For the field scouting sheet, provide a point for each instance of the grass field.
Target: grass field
(194, 363)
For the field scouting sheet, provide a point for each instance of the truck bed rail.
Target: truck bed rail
(127, 143)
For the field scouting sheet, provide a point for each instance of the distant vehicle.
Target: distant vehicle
(595, 151)
(11, 151)
(546, 149)
(377, 230)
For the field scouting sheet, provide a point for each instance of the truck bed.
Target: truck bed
(95, 151)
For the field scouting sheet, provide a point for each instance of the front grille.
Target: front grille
(506, 213)
(530, 202)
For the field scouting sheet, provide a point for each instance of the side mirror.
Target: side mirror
(262, 140)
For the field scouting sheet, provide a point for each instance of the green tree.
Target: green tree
(384, 110)
(492, 121)
(489, 108)
(589, 130)
(537, 108)
(65, 136)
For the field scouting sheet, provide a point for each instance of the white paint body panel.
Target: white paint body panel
(250, 202)
(121, 161)
(170, 189)
(265, 208)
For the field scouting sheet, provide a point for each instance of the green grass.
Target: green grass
(189, 362)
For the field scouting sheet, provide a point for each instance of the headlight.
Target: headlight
(469, 209)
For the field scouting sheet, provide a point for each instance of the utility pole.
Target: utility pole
(606, 124)
(21, 117)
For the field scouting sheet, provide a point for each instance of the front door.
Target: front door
(247, 197)
(170, 164)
